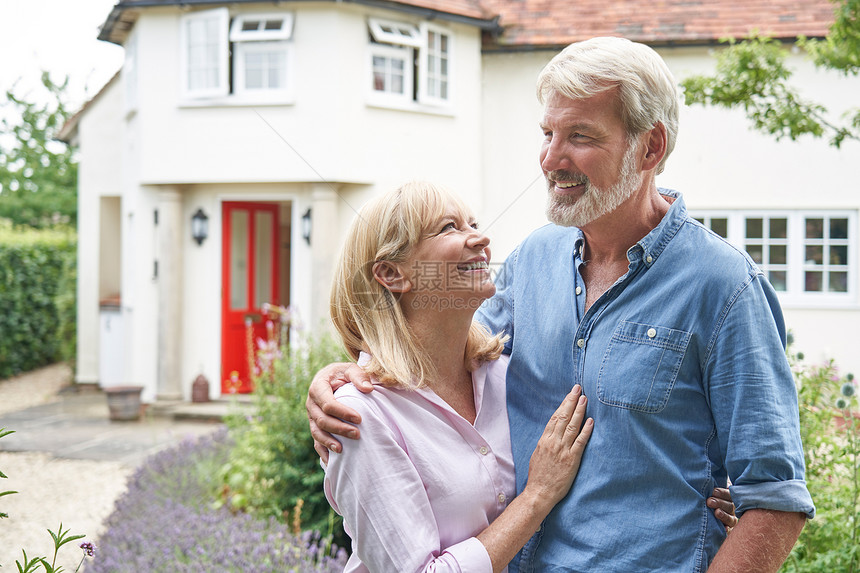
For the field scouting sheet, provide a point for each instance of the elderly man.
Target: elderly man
(675, 336)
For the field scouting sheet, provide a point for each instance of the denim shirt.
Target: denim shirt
(684, 366)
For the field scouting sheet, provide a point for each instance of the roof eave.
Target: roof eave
(124, 14)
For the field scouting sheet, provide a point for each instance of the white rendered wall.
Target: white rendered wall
(99, 175)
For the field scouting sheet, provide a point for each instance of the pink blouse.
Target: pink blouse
(422, 481)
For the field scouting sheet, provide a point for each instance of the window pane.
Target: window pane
(250, 25)
(815, 228)
(276, 70)
(754, 229)
(776, 254)
(838, 228)
(839, 255)
(756, 252)
(263, 257)
(720, 226)
(700, 220)
(378, 81)
(813, 281)
(778, 280)
(814, 255)
(274, 24)
(238, 259)
(838, 282)
(778, 228)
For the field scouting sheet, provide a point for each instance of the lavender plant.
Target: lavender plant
(830, 430)
(166, 522)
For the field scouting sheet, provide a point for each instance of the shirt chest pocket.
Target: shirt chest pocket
(640, 366)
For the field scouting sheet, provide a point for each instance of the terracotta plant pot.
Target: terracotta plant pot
(124, 402)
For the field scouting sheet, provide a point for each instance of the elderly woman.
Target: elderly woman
(430, 485)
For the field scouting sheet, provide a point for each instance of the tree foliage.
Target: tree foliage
(752, 74)
(38, 174)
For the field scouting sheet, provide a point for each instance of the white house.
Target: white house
(274, 121)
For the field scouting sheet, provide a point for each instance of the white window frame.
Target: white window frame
(398, 33)
(412, 41)
(285, 32)
(240, 87)
(404, 53)
(424, 72)
(795, 295)
(221, 18)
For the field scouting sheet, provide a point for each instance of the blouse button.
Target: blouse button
(484, 450)
(652, 333)
(502, 498)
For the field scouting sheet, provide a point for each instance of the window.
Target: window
(766, 241)
(409, 63)
(261, 50)
(825, 254)
(807, 256)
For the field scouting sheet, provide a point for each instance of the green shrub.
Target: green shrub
(32, 264)
(830, 430)
(273, 470)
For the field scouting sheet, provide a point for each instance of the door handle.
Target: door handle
(253, 317)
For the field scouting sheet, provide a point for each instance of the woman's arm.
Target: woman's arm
(383, 500)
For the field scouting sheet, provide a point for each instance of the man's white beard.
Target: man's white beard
(568, 211)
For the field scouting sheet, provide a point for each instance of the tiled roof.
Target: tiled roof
(539, 23)
(528, 24)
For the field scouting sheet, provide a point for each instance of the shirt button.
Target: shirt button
(649, 259)
(484, 450)
(502, 498)
(652, 333)
(578, 290)
(581, 343)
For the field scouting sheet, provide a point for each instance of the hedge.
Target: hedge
(34, 272)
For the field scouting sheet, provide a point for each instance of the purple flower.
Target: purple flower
(89, 549)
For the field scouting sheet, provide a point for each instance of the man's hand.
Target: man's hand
(326, 416)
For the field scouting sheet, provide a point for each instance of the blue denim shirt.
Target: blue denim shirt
(684, 367)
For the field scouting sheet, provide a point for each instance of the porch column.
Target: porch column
(324, 245)
(170, 248)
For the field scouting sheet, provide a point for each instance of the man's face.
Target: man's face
(589, 163)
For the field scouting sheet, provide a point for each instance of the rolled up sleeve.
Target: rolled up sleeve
(754, 404)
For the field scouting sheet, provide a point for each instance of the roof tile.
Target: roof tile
(550, 23)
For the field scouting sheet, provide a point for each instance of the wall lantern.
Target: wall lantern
(306, 226)
(199, 226)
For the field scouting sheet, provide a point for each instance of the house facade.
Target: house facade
(268, 124)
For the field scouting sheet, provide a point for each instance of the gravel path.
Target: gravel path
(80, 493)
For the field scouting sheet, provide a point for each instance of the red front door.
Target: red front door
(250, 278)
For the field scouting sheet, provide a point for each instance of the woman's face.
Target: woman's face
(449, 267)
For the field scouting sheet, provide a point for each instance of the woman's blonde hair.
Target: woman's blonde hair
(367, 315)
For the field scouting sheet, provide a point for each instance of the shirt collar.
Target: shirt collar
(652, 244)
(649, 248)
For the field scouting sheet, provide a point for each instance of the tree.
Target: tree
(38, 174)
(751, 74)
